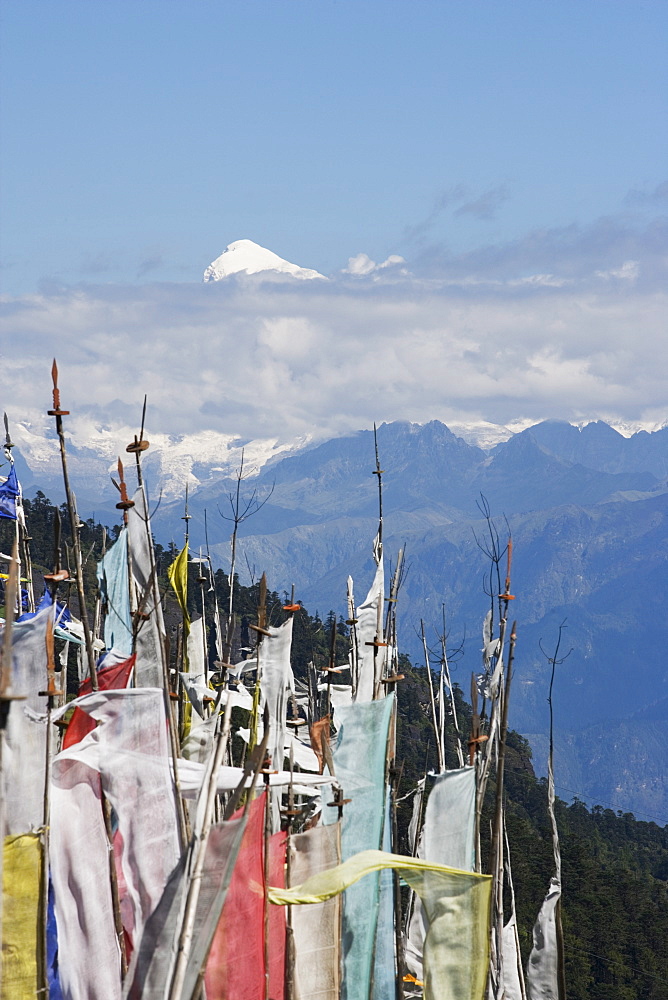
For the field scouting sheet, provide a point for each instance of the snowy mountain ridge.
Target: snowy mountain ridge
(247, 257)
(171, 463)
(194, 459)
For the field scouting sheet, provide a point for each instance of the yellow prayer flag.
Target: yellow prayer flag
(22, 864)
(178, 577)
(456, 905)
(324, 885)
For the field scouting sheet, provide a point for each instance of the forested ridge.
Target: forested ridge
(615, 867)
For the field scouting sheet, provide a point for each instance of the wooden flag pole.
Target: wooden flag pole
(434, 720)
(289, 933)
(266, 841)
(137, 447)
(58, 413)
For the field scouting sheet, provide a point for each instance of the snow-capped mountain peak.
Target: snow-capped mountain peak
(246, 257)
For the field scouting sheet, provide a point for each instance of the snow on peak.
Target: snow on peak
(246, 257)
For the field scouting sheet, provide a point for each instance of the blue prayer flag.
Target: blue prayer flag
(55, 992)
(9, 491)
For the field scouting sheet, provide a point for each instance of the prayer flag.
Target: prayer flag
(359, 764)
(316, 929)
(110, 678)
(178, 577)
(113, 580)
(9, 492)
(457, 906)
(236, 967)
(240, 931)
(22, 865)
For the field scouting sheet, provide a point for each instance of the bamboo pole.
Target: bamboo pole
(497, 847)
(390, 618)
(260, 630)
(497, 700)
(289, 932)
(354, 641)
(439, 748)
(561, 966)
(237, 518)
(331, 667)
(379, 472)
(220, 651)
(483, 760)
(396, 883)
(445, 667)
(97, 618)
(378, 643)
(113, 881)
(266, 841)
(392, 675)
(201, 579)
(26, 561)
(138, 447)
(74, 524)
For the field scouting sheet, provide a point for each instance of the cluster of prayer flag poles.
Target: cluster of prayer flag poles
(143, 864)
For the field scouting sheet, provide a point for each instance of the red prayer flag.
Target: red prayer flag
(235, 969)
(109, 679)
(277, 845)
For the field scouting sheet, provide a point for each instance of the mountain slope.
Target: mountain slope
(601, 447)
(246, 257)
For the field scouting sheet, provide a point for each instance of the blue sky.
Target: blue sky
(140, 138)
(514, 153)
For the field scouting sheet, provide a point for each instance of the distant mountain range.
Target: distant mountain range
(588, 511)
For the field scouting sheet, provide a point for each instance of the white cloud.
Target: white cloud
(628, 271)
(548, 280)
(362, 264)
